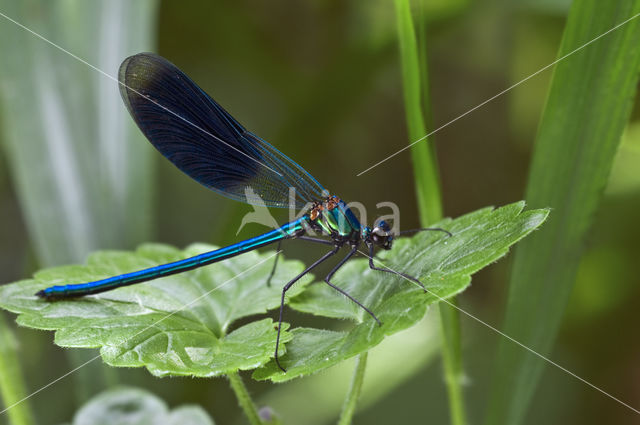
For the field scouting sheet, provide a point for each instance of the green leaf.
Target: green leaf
(131, 406)
(588, 106)
(178, 325)
(444, 264)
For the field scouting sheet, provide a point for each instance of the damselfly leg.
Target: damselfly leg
(275, 263)
(279, 251)
(327, 280)
(287, 287)
(373, 267)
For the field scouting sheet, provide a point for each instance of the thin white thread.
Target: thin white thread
(509, 338)
(138, 333)
(500, 94)
(133, 90)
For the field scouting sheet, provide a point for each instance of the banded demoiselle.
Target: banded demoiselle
(204, 141)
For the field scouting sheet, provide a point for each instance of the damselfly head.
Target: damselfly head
(381, 235)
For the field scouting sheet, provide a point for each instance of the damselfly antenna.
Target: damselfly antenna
(437, 229)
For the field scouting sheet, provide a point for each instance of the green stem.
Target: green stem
(452, 361)
(415, 75)
(422, 153)
(423, 63)
(244, 399)
(12, 387)
(349, 407)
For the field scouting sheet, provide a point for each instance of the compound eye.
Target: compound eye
(383, 227)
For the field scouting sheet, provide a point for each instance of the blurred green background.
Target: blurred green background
(321, 81)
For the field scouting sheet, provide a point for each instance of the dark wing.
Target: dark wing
(204, 141)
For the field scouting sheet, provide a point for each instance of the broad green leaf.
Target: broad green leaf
(444, 264)
(131, 406)
(178, 325)
(588, 106)
(148, 324)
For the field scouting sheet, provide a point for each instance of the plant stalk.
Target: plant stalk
(349, 406)
(416, 96)
(424, 164)
(452, 361)
(244, 399)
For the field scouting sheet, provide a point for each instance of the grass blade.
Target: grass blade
(12, 387)
(586, 111)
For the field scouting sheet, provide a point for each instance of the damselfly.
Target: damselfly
(209, 145)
